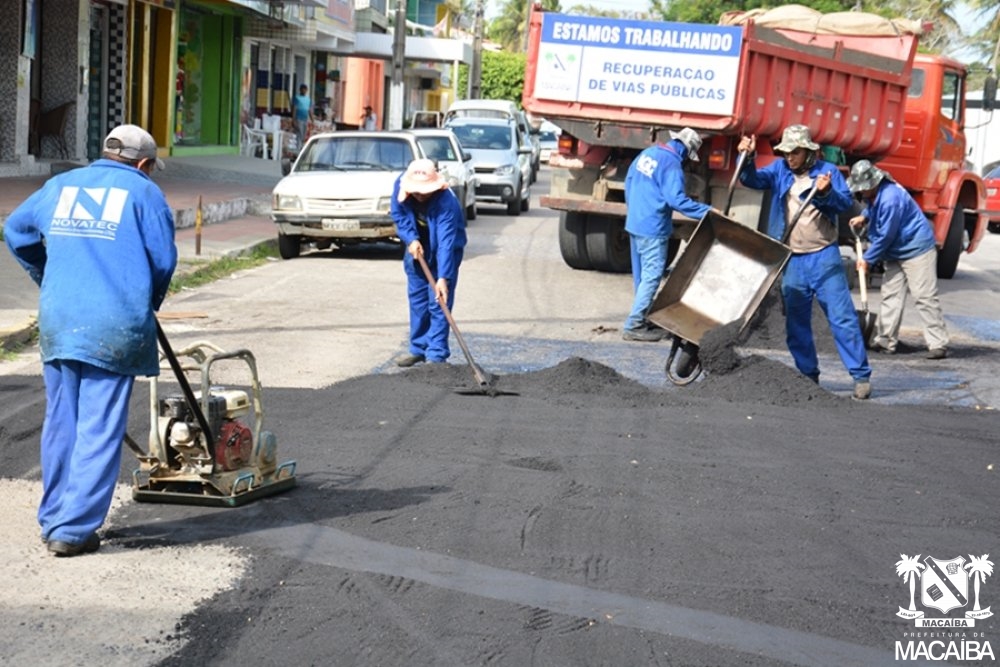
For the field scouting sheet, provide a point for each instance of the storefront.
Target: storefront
(206, 81)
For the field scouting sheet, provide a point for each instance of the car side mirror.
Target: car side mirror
(525, 150)
(466, 156)
(286, 166)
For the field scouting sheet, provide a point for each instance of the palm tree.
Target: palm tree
(909, 570)
(979, 569)
(509, 29)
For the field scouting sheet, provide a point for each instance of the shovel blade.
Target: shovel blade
(866, 321)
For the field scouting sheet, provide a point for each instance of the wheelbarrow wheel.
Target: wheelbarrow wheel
(683, 366)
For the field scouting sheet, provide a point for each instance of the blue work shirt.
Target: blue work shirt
(654, 189)
(897, 228)
(778, 178)
(99, 241)
(440, 229)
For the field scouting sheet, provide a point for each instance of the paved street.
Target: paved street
(601, 516)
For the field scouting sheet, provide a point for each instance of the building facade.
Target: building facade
(195, 72)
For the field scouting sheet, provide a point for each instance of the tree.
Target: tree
(709, 11)
(979, 569)
(986, 40)
(502, 76)
(509, 29)
(909, 569)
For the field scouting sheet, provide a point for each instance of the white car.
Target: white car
(454, 163)
(339, 190)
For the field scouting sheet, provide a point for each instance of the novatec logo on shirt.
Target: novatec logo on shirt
(89, 212)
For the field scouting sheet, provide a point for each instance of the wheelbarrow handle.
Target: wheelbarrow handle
(740, 161)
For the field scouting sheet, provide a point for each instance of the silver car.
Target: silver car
(501, 158)
(454, 163)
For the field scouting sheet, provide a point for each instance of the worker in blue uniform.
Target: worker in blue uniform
(902, 239)
(654, 189)
(815, 270)
(431, 223)
(99, 242)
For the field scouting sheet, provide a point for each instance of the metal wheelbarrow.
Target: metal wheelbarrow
(723, 275)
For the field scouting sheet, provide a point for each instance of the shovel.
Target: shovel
(866, 320)
(485, 380)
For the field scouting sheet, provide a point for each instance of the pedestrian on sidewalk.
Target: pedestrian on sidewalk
(369, 120)
(99, 241)
(430, 221)
(902, 239)
(303, 114)
(814, 271)
(654, 189)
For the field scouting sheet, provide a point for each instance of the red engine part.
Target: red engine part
(234, 446)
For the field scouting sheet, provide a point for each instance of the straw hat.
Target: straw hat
(421, 178)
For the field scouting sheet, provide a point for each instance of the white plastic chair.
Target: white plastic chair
(252, 140)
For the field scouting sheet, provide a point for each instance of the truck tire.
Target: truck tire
(947, 261)
(573, 240)
(608, 244)
(471, 212)
(289, 247)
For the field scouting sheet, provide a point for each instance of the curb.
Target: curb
(15, 336)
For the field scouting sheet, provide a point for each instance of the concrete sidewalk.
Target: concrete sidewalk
(234, 193)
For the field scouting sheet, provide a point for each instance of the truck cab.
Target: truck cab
(930, 159)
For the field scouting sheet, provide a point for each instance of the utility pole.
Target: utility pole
(476, 69)
(397, 92)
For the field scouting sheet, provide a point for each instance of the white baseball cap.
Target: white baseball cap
(132, 143)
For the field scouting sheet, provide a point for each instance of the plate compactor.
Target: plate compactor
(200, 452)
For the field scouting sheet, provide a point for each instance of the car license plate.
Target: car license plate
(334, 225)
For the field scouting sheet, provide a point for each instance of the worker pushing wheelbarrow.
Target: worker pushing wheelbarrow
(725, 272)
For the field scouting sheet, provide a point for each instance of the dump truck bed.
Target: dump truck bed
(611, 82)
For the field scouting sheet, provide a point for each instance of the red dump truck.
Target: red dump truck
(614, 86)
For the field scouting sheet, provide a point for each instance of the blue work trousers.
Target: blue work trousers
(428, 326)
(820, 275)
(86, 413)
(649, 261)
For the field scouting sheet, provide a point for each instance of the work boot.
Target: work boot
(409, 360)
(937, 353)
(644, 335)
(882, 348)
(69, 549)
(862, 390)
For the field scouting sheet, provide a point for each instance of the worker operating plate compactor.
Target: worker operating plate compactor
(201, 450)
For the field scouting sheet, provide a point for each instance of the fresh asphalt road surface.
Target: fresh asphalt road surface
(598, 517)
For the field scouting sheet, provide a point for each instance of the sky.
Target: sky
(493, 6)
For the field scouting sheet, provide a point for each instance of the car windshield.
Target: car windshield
(994, 173)
(548, 136)
(492, 137)
(437, 148)
(356, 153)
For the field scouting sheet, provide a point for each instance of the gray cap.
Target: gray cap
(691, 141)
(132, 143)
(865, 176)
(796, 136)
